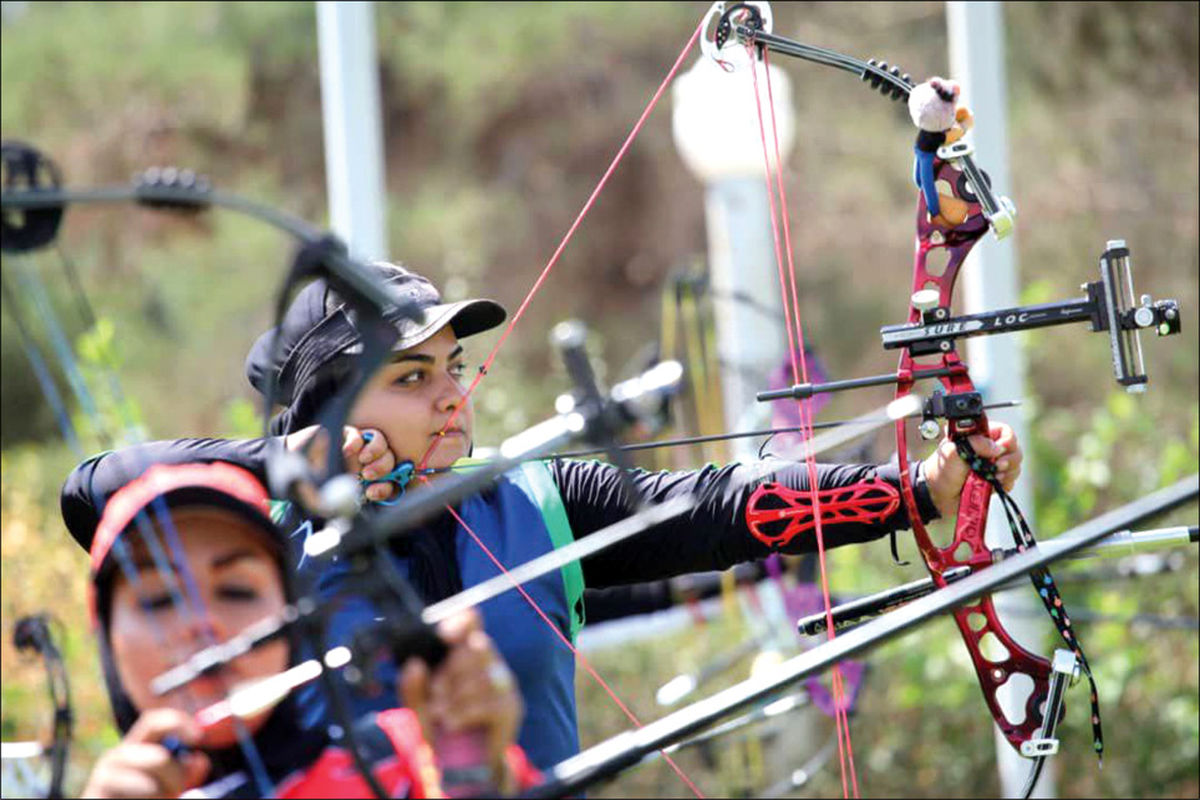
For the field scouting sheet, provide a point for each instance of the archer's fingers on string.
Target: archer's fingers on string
(380, 491)
(374, 469)
(375, 447)
(352, 443)
(385, 462)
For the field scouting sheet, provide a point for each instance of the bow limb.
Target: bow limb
(979, 622)
(33, 633)
(932, 287)
(174, 190)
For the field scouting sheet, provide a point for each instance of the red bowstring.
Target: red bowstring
(484, 369)
(587, 206)
(800, 375)
(806, 421)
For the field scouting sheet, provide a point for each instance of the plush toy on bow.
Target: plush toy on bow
(933, 106)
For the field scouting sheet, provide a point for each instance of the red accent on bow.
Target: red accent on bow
(776, 514)
(968, 547)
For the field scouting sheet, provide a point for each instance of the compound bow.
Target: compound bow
(930, 331)
(928, 353)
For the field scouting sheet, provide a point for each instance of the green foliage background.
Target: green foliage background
(499, 118)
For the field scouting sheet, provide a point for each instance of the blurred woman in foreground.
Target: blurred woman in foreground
(236, 577)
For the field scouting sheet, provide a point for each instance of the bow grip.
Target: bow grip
(462, 755)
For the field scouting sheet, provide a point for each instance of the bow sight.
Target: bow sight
(1109, 306)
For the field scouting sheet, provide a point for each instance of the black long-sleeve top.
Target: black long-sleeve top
(712, 536)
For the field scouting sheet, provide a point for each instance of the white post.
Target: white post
(976, 34)
(353, 131)
(716, 131)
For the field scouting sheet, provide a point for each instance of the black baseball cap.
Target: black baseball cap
(318, 328)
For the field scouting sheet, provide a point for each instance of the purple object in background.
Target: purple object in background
(800, 601)
(822, 698)
(786, 413)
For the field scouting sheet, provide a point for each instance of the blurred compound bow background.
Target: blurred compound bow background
(498, 118)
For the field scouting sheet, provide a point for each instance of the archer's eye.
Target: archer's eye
(409, 378)
(458, 370)
(238, 594)
(157, 602)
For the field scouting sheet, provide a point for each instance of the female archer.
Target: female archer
(540, 506)
(237, 576)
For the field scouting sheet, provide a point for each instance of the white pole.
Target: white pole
(976, 35)
(353, 131)
(747, 304)
(717, 134)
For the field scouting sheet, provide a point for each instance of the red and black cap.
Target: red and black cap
(216, 484)
(178, 485)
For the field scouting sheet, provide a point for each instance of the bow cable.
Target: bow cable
(800, 375)
(188, 606)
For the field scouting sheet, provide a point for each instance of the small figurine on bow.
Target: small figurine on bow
(933, 106)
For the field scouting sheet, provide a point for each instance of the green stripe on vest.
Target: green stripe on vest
(550, 503)
(554, 515)
(279, 509)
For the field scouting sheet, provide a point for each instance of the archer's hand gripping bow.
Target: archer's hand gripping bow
(928, 353)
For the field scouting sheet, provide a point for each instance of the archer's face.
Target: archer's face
(411, 399)
(238, 582)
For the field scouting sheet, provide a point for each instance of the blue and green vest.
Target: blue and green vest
(521, 519)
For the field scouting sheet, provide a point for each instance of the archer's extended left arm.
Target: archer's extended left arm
(744, 512)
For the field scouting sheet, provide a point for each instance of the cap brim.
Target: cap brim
(204, 497)
(176, 486)
(466, 318)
